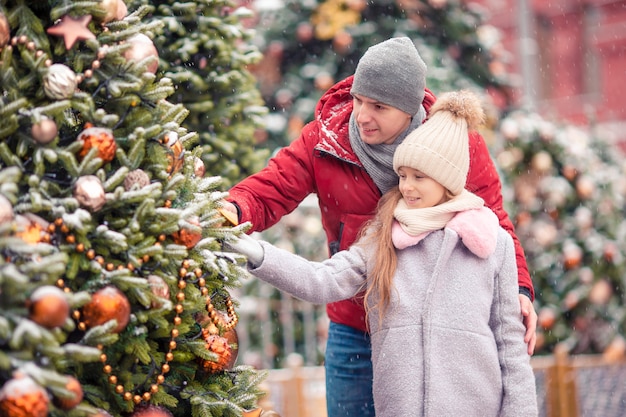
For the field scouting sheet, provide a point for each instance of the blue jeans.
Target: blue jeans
(348, 363)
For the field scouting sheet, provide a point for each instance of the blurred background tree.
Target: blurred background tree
(115, 292)
(205, 48)
(565, 188)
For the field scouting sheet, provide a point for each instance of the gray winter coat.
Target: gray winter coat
(451, 343)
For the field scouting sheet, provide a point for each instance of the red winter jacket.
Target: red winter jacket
(321, 161)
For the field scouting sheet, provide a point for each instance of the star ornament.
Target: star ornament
(72, 29)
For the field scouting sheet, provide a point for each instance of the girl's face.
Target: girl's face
(419, 190)
(377, 122)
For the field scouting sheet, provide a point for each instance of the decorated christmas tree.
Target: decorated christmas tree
(114, 289)
(565, 189)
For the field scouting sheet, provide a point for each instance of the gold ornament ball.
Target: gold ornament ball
(122, 10)
(585, 187)
(159, 288)
(59, 82)
(48, 307)
(107, 304)
(141, 48)
(89, 192)
(67, 403)
(23, 397)
(44, 131)
(136, 179)
(110, 9)
(542, 162)
(601, 292)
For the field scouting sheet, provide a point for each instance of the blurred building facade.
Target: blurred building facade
(570, 56)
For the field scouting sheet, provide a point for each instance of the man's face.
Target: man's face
(378, 122)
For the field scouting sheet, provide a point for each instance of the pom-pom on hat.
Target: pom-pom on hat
(392, 72)
(439, 148)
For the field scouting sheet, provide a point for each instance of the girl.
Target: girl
(439, 278)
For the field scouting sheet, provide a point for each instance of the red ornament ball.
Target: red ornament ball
(48, 307)
(107, 304)
(23, 397)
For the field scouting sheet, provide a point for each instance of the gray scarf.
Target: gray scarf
(378, 159)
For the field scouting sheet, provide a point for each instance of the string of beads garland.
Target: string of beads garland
(226, 323)
(38, 53)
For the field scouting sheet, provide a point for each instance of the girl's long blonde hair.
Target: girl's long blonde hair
(377, 236)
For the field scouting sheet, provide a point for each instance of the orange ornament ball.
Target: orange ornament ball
(48, 307)
(107, 304)
(220, 347)
(546, 318)
(67, 403)
(100, 138)
(23, 397)
(186, 237)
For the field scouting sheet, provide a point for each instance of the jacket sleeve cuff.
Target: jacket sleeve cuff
(238, 211)
(525, 291)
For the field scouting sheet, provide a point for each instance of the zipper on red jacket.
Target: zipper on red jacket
(335, 245)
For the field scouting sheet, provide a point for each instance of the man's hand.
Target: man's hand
(228, 206)
(229, 212)
(529, 316)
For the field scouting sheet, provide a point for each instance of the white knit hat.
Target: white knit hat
(439, 148)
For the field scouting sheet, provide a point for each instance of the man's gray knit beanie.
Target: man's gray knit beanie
(392, 72)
